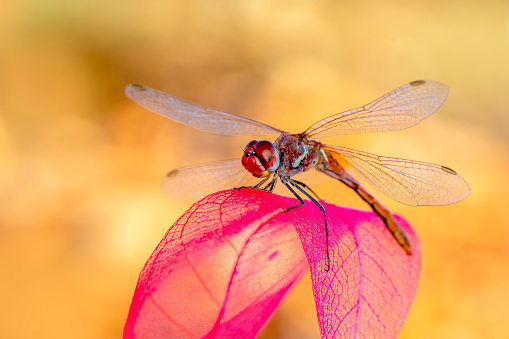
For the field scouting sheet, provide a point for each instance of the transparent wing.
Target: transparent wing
(195, 115)
(399, 109)
(410, 182)
(194, 182)
(311, 177)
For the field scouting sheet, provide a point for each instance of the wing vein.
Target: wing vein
(399, 109)
(410, 182)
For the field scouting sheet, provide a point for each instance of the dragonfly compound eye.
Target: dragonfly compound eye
(250, 147)
(268, 155)
(261, 158)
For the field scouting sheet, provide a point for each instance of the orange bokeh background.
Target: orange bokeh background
(81, 165)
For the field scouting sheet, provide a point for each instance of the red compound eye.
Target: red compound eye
(260, 158)
(250, 147)
(268, 155)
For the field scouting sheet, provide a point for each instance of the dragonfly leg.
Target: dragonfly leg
(283, 180)
(309, 188)
(379, 209)
(297, 184)
(271, 185)
(258, 185)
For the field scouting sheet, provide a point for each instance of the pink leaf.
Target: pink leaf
(372, 282)
(224, 266)
(219, 272)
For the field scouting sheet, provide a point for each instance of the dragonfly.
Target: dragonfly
(410, 182)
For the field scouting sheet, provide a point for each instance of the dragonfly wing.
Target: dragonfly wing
(194, 182)
(410, 182)
(399, 109)
(311, 177)
(195, 115)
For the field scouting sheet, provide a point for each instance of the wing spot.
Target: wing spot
(138, 87)
(449, 170)
(417, 83)
(172, 173)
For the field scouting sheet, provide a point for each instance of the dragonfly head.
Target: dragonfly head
(261, 158)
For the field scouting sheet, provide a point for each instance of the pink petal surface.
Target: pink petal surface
(222, 269)
(372, 282)
(219, 272)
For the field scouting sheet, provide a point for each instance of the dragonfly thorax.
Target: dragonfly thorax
(298, 154)
(261, 158)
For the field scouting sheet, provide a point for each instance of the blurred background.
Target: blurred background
(81, 166)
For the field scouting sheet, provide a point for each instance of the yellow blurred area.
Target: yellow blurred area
(81, 166)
